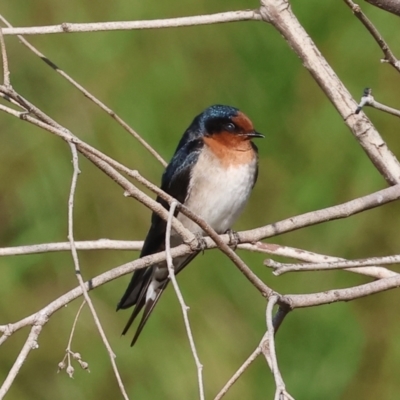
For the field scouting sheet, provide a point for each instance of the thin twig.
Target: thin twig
(90, 96)
(69, 352)
(30, 344)
(6, 70)
(277, 321)
(78, 271)
(382, 107)
(311, 257)
(389, 56)
(392, 6)
(74, 324)
(238, 373)
(282, 268)
(230, 16)
(184, 307)
(100, 244)
(280, 15)
(280, 393)
(368, 100)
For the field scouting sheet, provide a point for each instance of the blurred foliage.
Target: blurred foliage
(158, 80)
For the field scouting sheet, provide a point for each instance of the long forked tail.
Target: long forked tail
(136, 295)
(144, 291)
(148, 305)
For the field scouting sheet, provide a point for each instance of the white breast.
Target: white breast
(218, 193)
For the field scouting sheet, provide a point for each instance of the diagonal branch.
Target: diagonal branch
(30, 344)
(90, 96)
(392, 6)
(280, 15)
(389, 56)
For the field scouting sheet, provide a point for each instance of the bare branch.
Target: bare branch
(91, 97)
(238, 373)
(100, 244)
(392, 6)
(276, 322)
(310, 257)
(389, 56)
(268, 248)
(281, 268)
(280, 393)
(290, 301)
(280, 15)
(52, 127)
(181, 300)
(30, 344)
(339, 211)
(6, 70)
(336, 295)
(78, 271)
(231, 16)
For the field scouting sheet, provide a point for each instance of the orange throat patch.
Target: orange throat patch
(230, 149)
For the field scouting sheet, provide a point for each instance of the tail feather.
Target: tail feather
(136, 311)
(134, 291)
(148, 309)
(137, 292)
(140, 287)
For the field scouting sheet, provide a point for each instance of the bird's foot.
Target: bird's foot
(202, 244)
(234, 238)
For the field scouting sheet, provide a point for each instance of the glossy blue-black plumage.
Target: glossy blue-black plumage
(198, 128)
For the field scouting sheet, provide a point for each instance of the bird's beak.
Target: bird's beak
(254, 134)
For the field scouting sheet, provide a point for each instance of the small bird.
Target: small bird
(212, 173)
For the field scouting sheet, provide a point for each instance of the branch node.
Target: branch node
(65, 26)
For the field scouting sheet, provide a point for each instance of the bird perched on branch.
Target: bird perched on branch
(212, 173)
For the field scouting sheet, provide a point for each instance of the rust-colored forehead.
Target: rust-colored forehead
(243, 121)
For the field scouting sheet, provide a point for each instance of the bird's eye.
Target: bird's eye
(230, 127)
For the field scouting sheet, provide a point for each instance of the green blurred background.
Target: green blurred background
(158, 80)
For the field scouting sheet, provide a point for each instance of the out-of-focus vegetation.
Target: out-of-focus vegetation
(158, 80)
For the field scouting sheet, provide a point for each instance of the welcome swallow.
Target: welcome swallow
(212, 173)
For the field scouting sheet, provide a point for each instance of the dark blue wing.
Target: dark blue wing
(175, 182)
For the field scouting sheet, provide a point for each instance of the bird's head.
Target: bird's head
(224, 123)
(228, 122)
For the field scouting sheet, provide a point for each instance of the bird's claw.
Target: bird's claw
(234, 238)
(202, 244)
